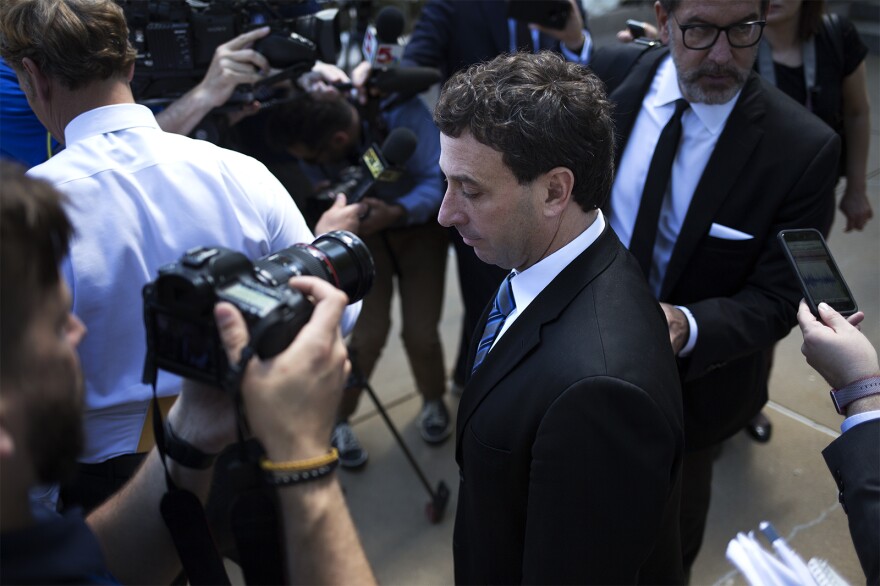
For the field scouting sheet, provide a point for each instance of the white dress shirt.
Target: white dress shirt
(527, 285)
(139, 198)
(702, 124)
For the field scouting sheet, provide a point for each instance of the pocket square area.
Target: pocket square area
(725, 233)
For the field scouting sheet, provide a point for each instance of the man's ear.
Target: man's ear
(559, 183)
(39, 83)
(662, 18)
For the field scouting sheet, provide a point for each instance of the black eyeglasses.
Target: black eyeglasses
(740, 35)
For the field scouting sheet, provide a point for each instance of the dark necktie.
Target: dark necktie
(644, 233)
(502, 306)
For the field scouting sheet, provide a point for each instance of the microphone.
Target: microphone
(385, 164)
(380, 42)
(406, 80)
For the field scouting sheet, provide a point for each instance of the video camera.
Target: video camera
(182, 336)
(175, 41)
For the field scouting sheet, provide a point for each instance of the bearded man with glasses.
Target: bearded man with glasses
(712, 162)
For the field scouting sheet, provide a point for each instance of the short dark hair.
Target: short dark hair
(308, 121)
(540, 112)
(74, 41)
(671, 5)
(34, 238)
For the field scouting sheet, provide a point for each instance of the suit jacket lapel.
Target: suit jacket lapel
(525, 333)
(627, 98)
(739, 138)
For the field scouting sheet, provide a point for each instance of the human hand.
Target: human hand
(360, 75)
(341, 216)
(379, 215)
(651, 32)
(835, 347)
(856, 207)
(572, 35)
(291, 399)
(234, 62)
(320, 81)
(679, 328)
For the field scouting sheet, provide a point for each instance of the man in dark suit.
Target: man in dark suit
(749, 163)
(451, 35)
(848, 362)
(569, 431)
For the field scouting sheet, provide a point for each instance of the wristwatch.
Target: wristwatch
(858, 389)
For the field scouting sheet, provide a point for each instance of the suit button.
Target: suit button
(460, 476)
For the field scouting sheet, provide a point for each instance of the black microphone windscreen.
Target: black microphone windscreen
(389, 24)
(399, 146)
(412, 80)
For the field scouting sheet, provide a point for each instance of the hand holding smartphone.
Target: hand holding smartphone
(818, 274)
(636, 28)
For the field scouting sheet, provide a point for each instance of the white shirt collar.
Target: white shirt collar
(713, 117)
(528, 284)
(108, 119)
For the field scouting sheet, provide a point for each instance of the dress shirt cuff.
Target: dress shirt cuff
(692, 329)
(851, 422)
(584, 57)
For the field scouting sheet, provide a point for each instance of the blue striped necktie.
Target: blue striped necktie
(501, 308)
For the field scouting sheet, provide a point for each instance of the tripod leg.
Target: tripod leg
(436, 507)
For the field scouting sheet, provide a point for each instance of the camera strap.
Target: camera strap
(185, 518)
(255, 512)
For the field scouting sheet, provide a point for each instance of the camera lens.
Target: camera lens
(340, 258)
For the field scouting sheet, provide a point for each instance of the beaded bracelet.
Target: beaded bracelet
(298, 471)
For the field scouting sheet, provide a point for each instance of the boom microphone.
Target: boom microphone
(406, 80)
(380, 42)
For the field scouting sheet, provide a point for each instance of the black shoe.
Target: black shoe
(434, 422)
(760, 428)
(351, 453)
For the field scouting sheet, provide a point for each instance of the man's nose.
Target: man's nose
(446, 215)
(721, 51)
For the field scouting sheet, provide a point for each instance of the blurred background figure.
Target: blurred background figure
(398, 222)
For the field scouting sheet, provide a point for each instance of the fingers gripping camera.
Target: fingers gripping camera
(182, 337)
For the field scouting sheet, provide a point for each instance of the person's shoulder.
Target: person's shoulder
(613, 63)
(782, 112)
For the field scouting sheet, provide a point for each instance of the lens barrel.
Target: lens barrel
(339, 257)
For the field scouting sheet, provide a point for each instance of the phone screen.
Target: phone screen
(819, 276)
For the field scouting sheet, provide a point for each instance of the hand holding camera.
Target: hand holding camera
(291, 398)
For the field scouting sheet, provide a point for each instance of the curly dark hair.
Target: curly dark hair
(539, 112)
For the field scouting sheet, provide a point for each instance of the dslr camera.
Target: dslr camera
(175, 40)
(182, 337)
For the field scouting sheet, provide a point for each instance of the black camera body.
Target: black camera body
(175, 39)
(182, 337)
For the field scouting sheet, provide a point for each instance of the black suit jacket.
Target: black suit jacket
(774, 167)
(453, 34)
(854, 460)
(570, 437)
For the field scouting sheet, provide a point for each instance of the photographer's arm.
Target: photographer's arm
(291, 402)
(129, 526)
(234, 63)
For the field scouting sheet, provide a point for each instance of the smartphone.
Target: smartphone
(636, 28)
(549, 13)
(816, 270)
